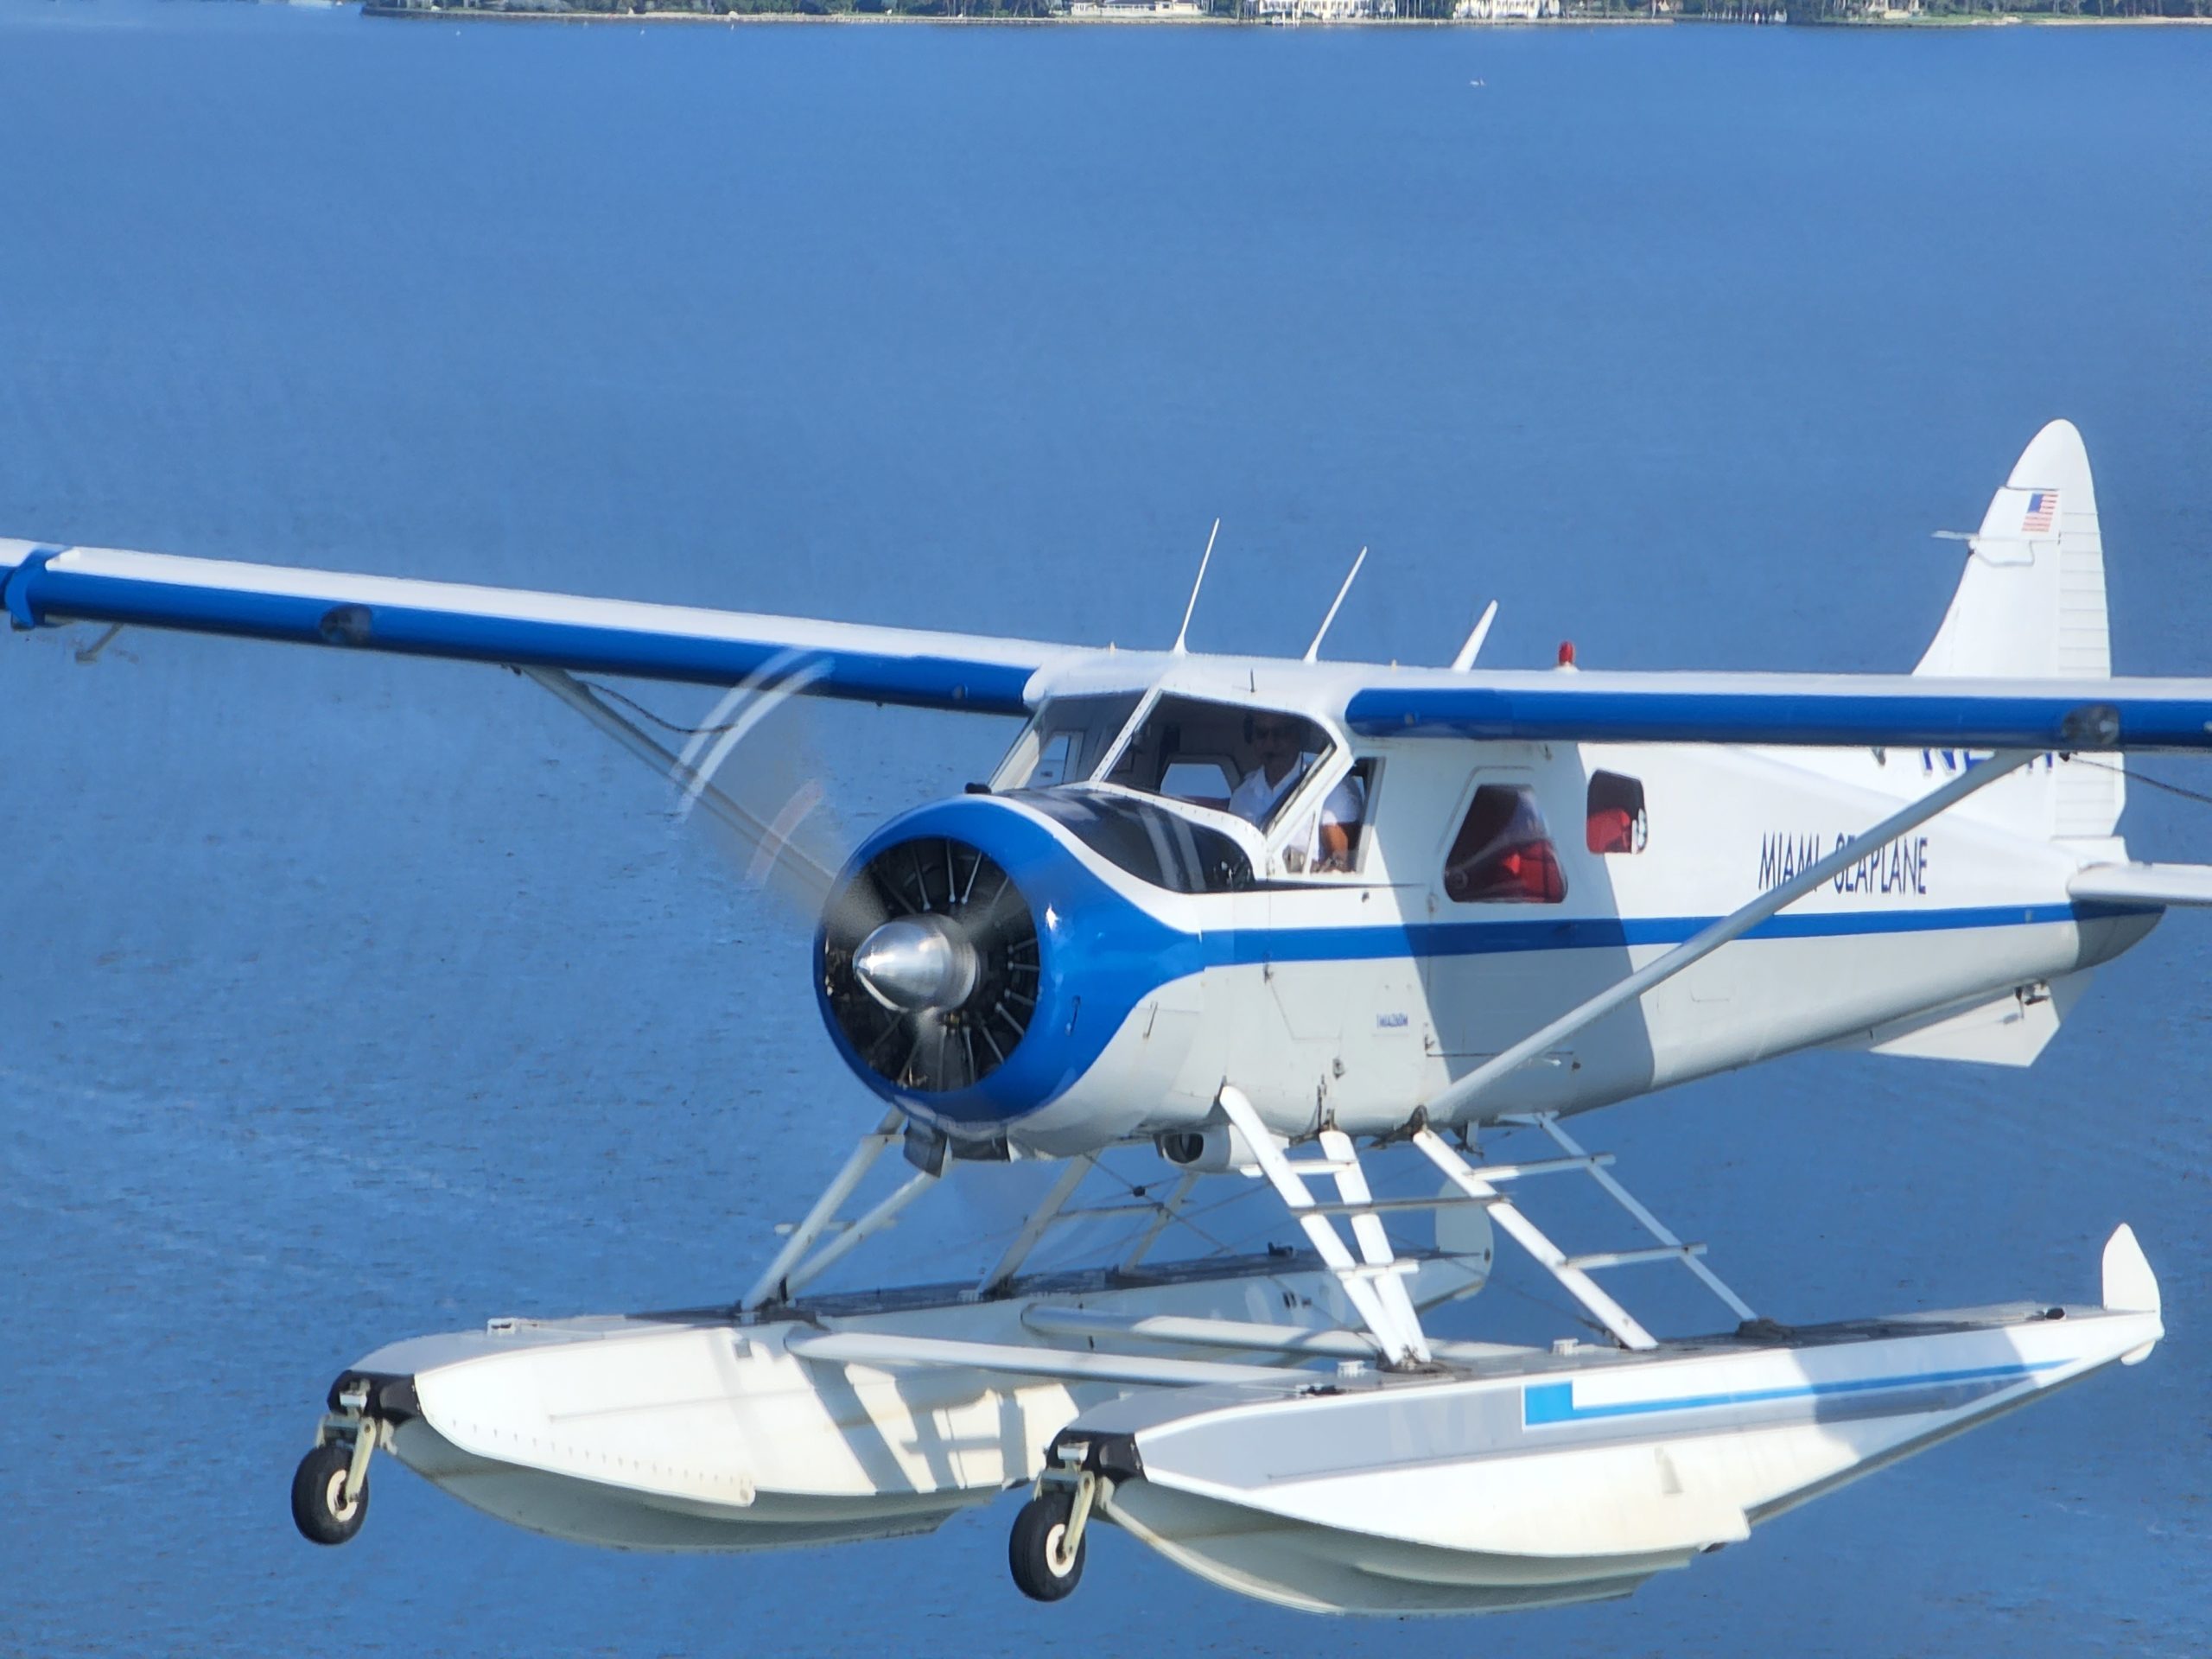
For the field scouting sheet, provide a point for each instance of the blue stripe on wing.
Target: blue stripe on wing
(1886, 711)
(872, 665)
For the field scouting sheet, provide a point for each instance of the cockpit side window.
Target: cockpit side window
(1503, 854)
(1067, 740)
(1248, 761)
(1331, 838)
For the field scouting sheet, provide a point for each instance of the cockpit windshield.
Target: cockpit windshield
(1067, 741)
(1226, 757)
(1248, 761)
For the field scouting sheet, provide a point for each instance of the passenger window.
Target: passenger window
(1502, 854)
(1616, 821)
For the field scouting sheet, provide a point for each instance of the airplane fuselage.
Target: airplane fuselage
(1354, 996)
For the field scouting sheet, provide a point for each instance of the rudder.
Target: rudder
(2031, 605)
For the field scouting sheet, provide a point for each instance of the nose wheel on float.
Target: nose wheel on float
(1045, 1550)
(330, 1488)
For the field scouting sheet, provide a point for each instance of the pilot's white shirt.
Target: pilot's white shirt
(1254, 798)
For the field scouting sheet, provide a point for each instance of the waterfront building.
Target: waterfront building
(1135, 8)
(1319, 11)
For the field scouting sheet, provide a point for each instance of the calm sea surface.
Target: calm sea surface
(342, 1000)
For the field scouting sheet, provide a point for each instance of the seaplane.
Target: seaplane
(1307, 930)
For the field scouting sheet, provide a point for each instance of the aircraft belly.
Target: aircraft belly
(1765, 997)
(1161, 1068)
(1365, 1041)
(1479, 1005)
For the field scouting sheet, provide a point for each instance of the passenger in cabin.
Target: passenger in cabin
(1503, 854)
(1282, 766)
(1616, 822)
(1611, 830)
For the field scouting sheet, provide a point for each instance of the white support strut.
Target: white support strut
(1548, 1123)
(1168, 1210)
(770, 1284)
(1450, 1104)
(1525, 1233)
(861, 1231)
(1367, 1284)
(1039, 1223)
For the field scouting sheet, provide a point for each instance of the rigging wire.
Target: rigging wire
(598, 688)
(2187, 794)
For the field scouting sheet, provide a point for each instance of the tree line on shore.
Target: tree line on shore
(1797, 11)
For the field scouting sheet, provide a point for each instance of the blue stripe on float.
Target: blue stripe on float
(927, 681)
(1604, 932)
(1554, 1402)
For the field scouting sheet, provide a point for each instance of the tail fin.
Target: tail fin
(2031, 606)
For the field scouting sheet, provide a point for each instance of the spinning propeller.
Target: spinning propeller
(927, 951)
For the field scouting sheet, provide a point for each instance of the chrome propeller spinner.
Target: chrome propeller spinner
(910, 963)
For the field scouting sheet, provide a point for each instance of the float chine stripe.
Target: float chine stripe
(1554, 1402)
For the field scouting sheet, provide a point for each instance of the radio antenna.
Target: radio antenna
(1313, 651)
(1469, 652)
(1204, 559)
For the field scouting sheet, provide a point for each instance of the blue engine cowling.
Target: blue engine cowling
(1062, 958)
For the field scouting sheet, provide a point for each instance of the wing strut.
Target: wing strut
(1450, 1105)
(811, 882)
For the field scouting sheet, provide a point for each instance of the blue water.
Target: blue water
(342, 1000)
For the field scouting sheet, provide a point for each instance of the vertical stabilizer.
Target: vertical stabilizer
(2031, 606)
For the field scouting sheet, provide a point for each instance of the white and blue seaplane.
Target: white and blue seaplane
(1288, 923)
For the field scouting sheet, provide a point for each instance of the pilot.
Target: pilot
(1282, 765)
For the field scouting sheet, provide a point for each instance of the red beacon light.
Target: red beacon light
(1567, 654)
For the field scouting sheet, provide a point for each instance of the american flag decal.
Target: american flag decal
(2042, 505)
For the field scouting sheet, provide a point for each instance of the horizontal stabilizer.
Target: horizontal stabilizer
(2152, 884)
(872, 1348)
(2011, 1029)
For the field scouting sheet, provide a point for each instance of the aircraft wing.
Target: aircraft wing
(1832, 711)
(41, 584)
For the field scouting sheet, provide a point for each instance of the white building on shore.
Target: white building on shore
(1500, 11)
(1134, 11)
(1319, 11)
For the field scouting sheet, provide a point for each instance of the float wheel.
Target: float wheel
(1044, 1567)
(320, 1510)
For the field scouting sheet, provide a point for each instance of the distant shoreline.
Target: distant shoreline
(494, 14)
(1946, 20)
